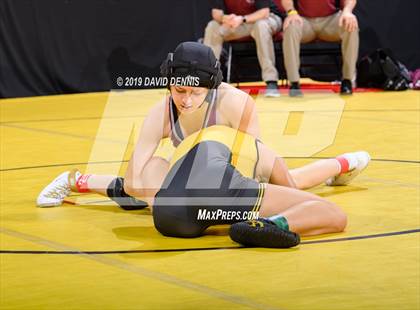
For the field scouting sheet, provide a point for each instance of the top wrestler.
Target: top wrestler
(186, 110)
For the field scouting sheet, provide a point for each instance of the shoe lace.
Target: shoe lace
(255, 223)
(58, 191)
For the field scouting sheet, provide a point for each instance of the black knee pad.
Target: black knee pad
(116, 192)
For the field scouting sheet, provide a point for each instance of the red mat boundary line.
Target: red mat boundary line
(256, 89)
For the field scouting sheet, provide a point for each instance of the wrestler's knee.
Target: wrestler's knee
(341, 221)
(338, 218)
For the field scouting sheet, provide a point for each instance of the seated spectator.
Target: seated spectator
(235, 19)
(322, 19)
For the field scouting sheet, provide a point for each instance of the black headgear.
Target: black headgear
(195, 60)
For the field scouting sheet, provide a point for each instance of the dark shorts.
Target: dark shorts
(202, 189)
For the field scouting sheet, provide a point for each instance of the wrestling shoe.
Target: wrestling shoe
(358, 162)
(55, 192)
(262, 233)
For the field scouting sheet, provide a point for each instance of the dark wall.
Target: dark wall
(67, 46)
(393, 24)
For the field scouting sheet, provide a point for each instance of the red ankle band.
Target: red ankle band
(81, 183)
(344, 164)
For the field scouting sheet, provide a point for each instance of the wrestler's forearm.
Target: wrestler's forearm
(133, 188)
(144, 194)
(147, 194)
(149, 182)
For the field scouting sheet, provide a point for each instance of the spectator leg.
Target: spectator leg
(349, 43)
(350, 51)
(213, 37)
(293, 36)
(262, 32)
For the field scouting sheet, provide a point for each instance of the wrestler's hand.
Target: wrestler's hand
(349, 21)
(292, 19)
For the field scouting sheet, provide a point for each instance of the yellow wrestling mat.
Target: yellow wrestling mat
(93, 255)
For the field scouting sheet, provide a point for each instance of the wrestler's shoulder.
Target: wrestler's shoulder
(228, 90)
(159, 107)
(231, 98)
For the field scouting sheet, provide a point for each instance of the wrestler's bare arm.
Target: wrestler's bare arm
(152, 131)
(239, 111)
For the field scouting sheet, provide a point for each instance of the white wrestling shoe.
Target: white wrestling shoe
(361, 160)
(55, 192)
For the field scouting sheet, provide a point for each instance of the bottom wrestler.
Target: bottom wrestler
(212, 174)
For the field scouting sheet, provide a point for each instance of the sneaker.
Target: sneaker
(346, 87)
(55, 192)
(294, 90)
(272, 89)
(362, 159)
(262, 233)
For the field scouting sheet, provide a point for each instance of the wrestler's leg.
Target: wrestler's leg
(272, 168)
(107, 185)
(315, 173)
(306, 213)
